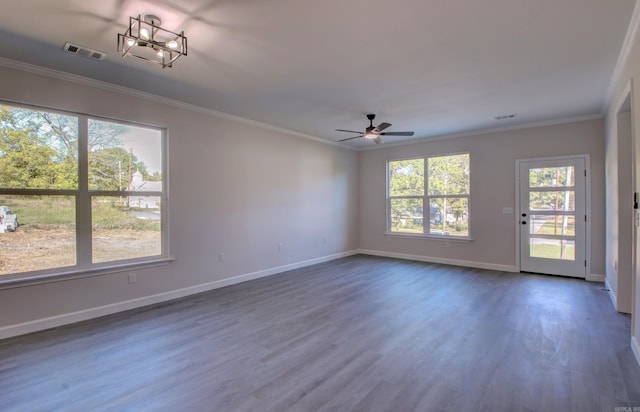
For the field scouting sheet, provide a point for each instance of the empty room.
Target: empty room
(213, 205)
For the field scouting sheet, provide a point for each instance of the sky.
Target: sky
(146, 144)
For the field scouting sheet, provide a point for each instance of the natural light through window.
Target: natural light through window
(429, 196)
(77, 192)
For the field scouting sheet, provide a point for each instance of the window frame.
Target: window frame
(83, 213)
(426, 201)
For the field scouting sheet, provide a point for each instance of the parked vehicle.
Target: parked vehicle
(8, 220)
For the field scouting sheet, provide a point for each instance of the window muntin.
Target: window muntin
(87, 192)
(442, 183)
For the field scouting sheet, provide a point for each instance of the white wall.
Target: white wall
(493, 157)
(629, 74)
(234, 188)
(619, 185)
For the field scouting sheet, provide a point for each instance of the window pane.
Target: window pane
(407, 215)
(38, 150)
(552, 249)
(563, 201)
(36, 232)
(122, 157)
(406, 178)
(449, 175)
(449, 217)
(553, 225)
(552, 177)
(125, 227)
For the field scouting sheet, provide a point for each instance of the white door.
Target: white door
(553, 216)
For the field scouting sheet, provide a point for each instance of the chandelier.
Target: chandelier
(146, 40)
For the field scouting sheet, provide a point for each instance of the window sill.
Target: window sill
(462, 239)
(35, 278)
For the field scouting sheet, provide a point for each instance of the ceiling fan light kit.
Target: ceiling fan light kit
(147, 40)
(373, 132)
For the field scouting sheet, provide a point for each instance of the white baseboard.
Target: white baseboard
(73, 317)
(635, 347)
(430, 259)
(612, 294)
(595, 277)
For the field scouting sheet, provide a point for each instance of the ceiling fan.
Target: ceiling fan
(372, 132)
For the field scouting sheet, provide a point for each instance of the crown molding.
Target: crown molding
(110, 87)
(632, 31)
(481, 132)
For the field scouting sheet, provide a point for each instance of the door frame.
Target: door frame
(587, 210)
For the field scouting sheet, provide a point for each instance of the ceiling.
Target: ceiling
(437, 67)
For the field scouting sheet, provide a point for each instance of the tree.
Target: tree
(406, 178)
(27, 160)
(40, 150)
(111, 168)
(449, 176)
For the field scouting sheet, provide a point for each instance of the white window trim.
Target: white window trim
(83, 195)
(426, 197)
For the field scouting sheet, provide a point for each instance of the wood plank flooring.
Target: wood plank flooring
(355, 334)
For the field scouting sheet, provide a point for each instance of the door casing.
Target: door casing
(587, 205)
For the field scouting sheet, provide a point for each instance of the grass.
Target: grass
(547, 251)
(45, 210)
(548, 228)
(59, 211)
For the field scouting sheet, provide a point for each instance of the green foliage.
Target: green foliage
(406, 177)
(449, 175)
(113, 214)
(111, 168)
(28, 158)
(39, 150)
(407, 215)
(550, 177)
(155, 177)
(42, 210)
(56, 212)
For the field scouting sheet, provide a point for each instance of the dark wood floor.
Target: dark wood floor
(360, 333)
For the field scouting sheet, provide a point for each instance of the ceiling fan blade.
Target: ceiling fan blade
(383, 126)
(350, 138)
(397, 134)
(348, 131)
(377, 140)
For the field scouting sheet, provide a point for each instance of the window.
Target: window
(434, 187)
(78, 193)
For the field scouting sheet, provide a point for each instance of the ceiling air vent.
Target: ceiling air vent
(84, 51)
(506, 116)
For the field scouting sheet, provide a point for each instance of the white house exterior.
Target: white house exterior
(140, 185)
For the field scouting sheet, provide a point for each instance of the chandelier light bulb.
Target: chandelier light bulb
(144, 33)
(130, 42)
(160, 53)
(172, 44)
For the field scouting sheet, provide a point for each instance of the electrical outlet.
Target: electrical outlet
(221, 256)
(132, 278)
